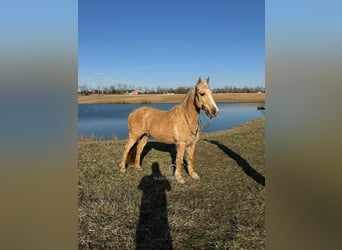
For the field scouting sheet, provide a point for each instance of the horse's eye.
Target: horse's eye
(202, 94)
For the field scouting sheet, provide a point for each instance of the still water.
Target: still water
(109, 121)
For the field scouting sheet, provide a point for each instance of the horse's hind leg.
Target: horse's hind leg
(131, 141)
(141, 144)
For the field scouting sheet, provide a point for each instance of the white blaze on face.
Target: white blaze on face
(211, 100)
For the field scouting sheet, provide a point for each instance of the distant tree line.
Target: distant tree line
(231, 89)
(124, 89)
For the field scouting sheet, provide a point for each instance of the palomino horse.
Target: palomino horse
(178, 125)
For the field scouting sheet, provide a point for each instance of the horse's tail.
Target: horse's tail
(132, 154)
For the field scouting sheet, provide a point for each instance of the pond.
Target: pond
(109, 121)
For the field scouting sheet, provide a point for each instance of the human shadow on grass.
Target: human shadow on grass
(248, 169)
(153, 230)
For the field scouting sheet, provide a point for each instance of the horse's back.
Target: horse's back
(142, 112)
(139, 119)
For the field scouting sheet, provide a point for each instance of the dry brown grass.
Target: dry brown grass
(225, 209)
(160, 98)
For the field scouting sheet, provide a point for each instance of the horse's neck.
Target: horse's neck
(190, 111)
(189, 105)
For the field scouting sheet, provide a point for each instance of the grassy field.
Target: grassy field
(225, 209)
(160, 98)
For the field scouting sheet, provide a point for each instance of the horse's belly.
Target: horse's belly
(172, 138)
(162, 134)
(165, 139)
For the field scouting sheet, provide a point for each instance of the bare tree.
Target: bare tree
(83, 89)
(100, 80)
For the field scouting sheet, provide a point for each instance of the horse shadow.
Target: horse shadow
(153, 230)
(163, 147)
(242, 163)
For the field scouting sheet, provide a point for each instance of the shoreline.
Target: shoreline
(84, 138)
(167, 98)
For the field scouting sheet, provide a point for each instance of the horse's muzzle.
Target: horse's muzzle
(212, 112)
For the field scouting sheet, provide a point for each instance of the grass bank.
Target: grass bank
(160, 98)
(225, 209)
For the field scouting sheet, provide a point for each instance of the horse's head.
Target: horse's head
(204, 98)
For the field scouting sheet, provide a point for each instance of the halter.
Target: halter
(200, 122)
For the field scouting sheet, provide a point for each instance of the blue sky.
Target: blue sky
(171, 43)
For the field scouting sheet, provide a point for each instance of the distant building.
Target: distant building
(133, 92)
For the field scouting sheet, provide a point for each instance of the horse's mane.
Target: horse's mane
(187, 96)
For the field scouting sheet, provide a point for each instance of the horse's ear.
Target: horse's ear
(199, 80)
(208, 79)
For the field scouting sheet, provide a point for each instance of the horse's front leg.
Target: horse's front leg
(191, 161)
(179, 162)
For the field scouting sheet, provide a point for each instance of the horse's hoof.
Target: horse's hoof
(139, 168)
(122, 168)
(195, 176)
(180, 179)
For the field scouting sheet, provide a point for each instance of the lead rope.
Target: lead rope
(187, 121)
(201, 123)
